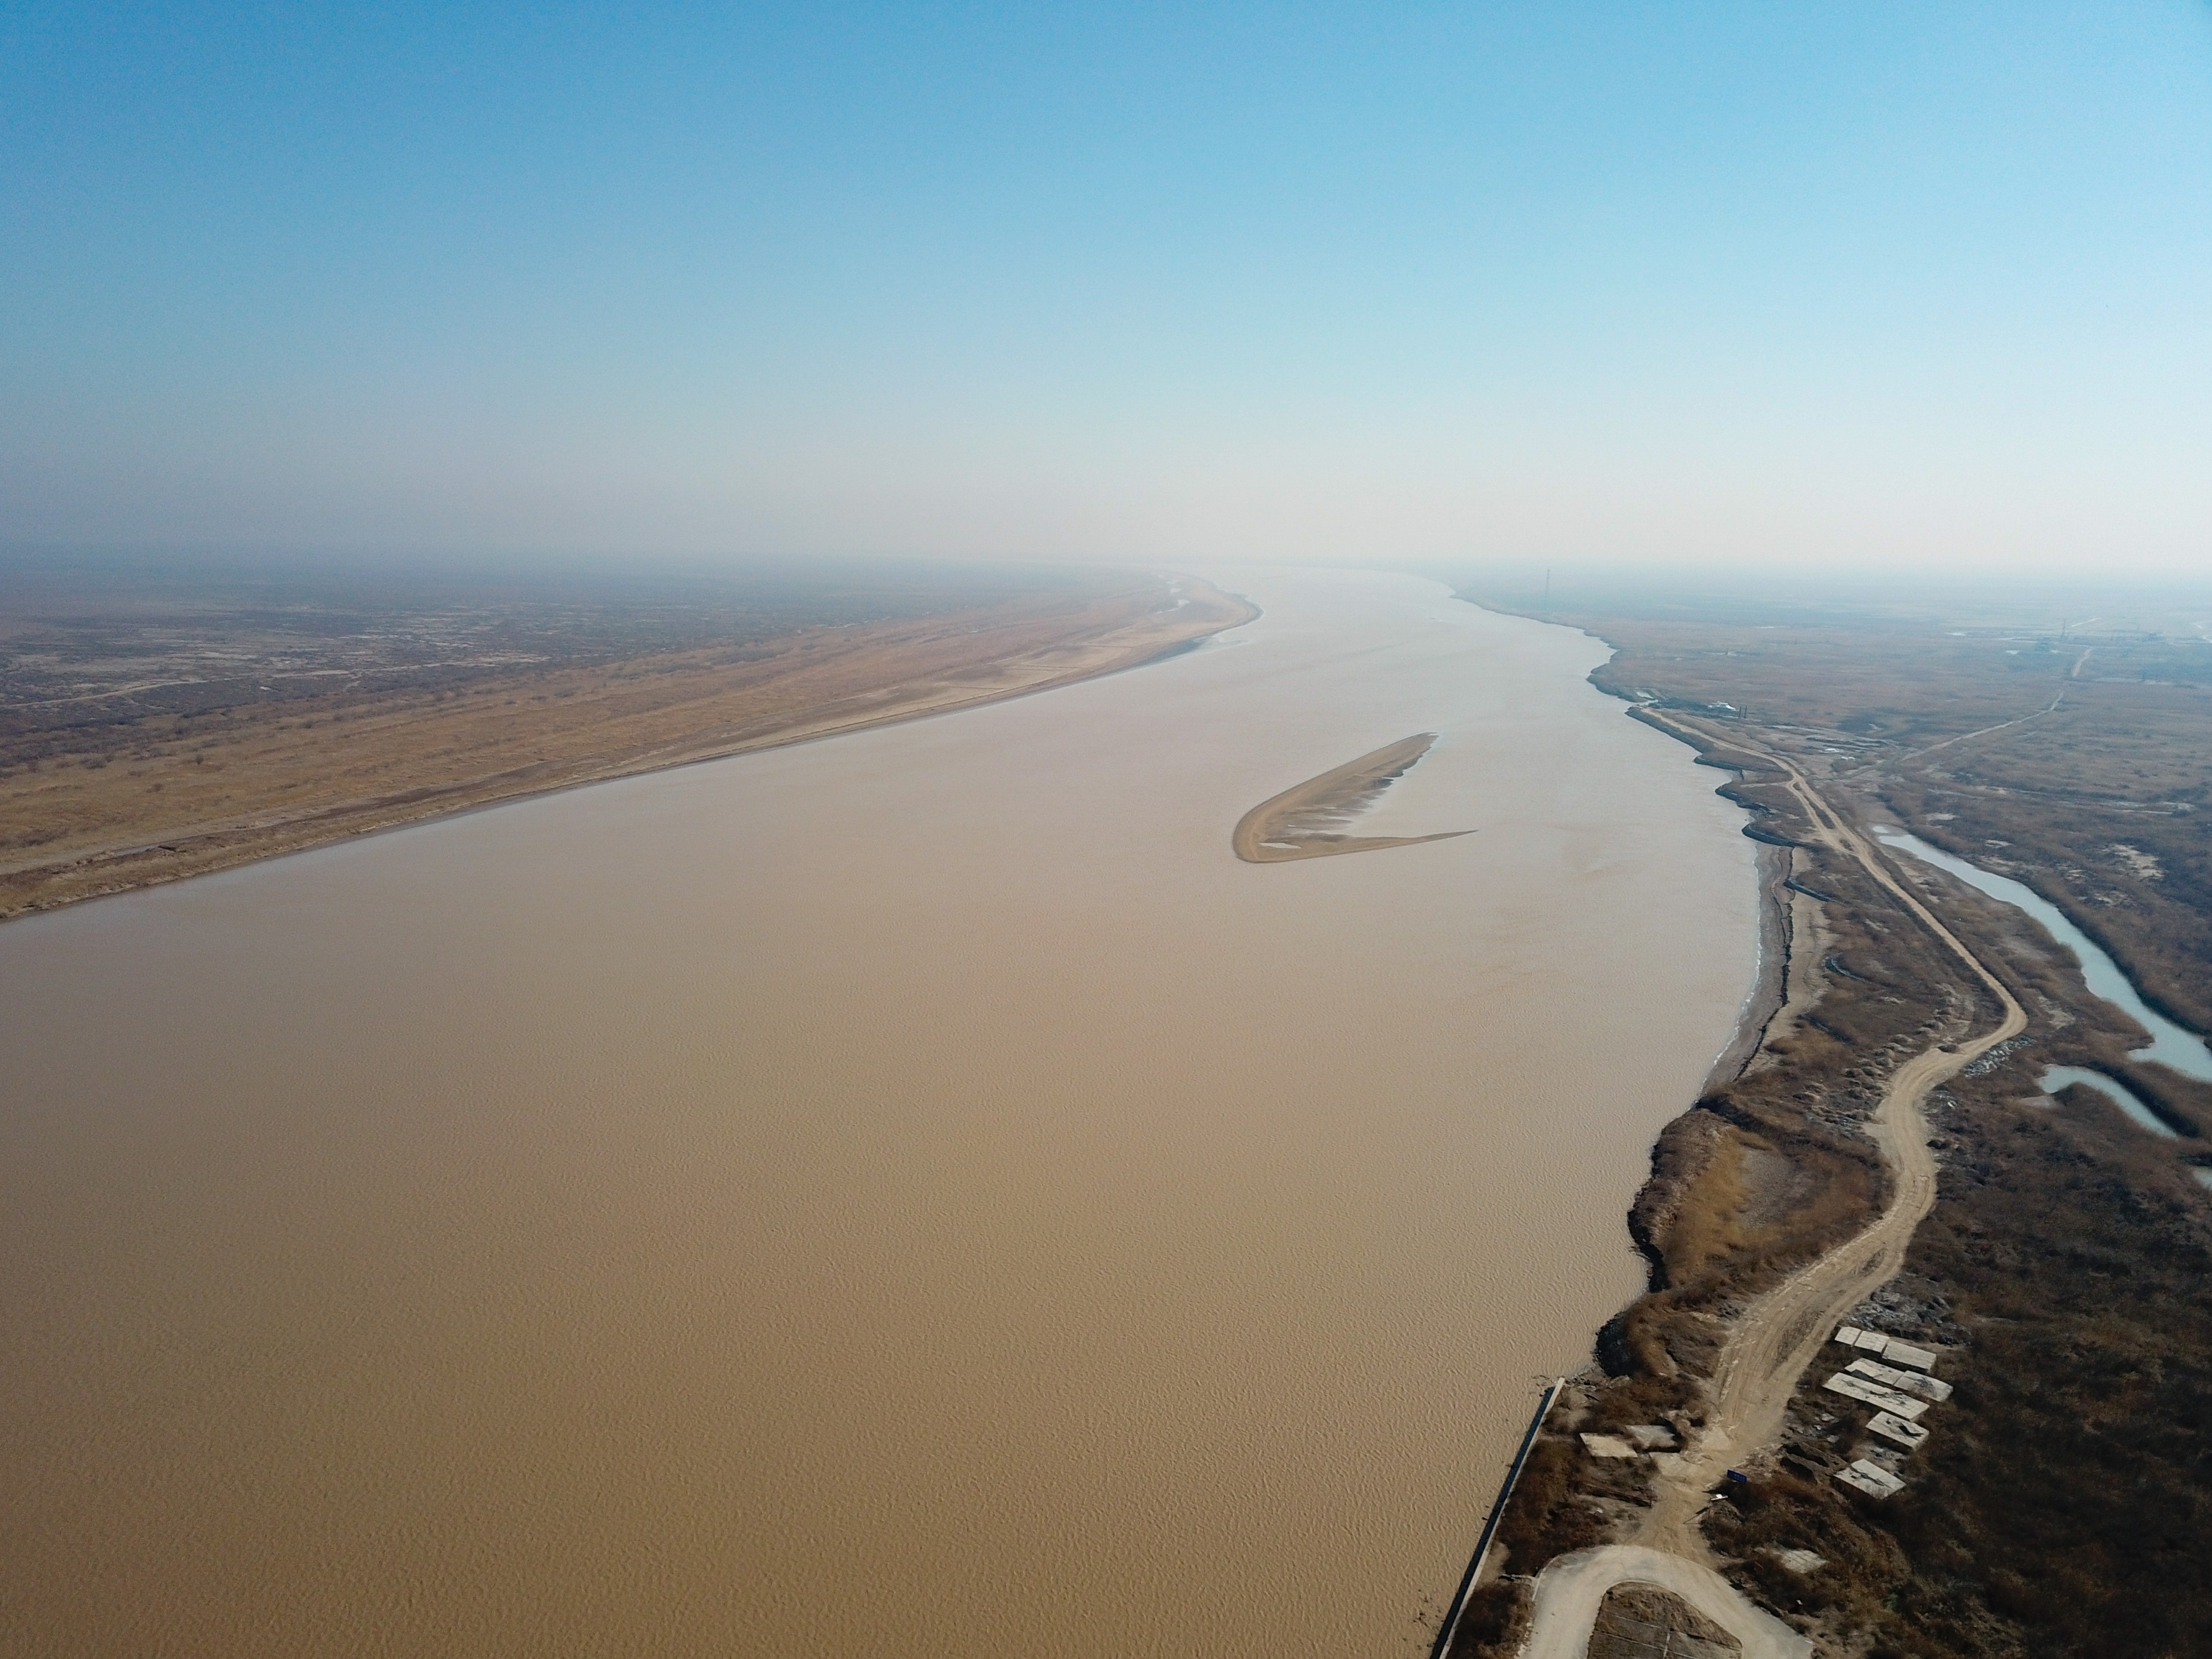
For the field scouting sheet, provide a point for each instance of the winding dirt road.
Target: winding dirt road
(1571, 1590)
(1781, 1332)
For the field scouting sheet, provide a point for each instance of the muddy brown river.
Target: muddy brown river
(916, 1193)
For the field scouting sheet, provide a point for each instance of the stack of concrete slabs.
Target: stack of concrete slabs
(1871, 1479)
(1928, 1388)
(1897, 1352)
(1868, 1392)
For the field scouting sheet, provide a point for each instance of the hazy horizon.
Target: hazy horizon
(1883, 289)
(1570, 584)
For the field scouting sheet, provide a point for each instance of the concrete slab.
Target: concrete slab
(1914, 1383)
(1606, 1445)
(1871, 1479)
(1903, 1353)
(1891, 1427)
(1868, 1392)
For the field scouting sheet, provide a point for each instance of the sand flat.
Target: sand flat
(268, 780)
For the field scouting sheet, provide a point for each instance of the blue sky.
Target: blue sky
(1862, 284)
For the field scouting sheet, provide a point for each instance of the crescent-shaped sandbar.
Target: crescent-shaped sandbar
(1309, 821)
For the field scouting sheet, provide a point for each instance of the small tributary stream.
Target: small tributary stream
(2171, 1045)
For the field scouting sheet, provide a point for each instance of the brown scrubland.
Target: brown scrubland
(2061, 1504)
(155, 726)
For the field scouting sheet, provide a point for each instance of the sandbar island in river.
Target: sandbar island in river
(1309, 821)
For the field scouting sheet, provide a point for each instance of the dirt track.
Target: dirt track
(1781, 1333)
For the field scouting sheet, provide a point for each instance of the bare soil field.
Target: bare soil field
(1636, 1623)
(2060, 1503)
(156, 726)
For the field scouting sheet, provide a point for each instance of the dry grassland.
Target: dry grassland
(2081, 767)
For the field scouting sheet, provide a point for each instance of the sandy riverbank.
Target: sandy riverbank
(1780, 969)
(283, 780)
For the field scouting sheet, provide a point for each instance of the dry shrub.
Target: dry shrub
(1548, 1516)
(1492, 1622)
